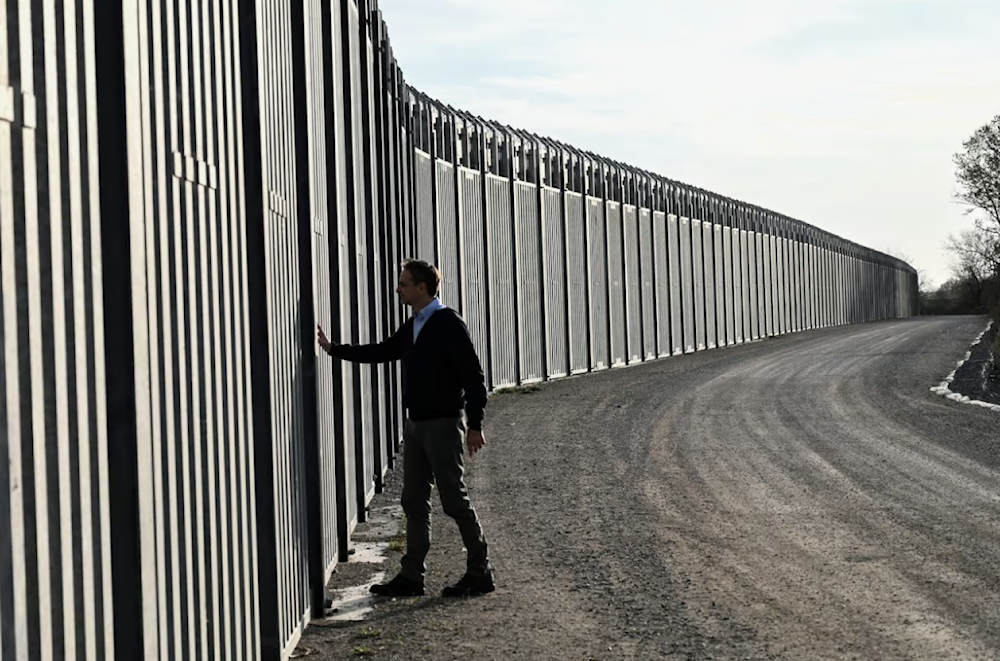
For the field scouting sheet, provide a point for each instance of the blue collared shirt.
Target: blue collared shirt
(421, 317)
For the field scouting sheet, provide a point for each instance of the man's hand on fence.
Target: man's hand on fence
(324, 344)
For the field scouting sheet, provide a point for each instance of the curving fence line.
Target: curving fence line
(187, 187)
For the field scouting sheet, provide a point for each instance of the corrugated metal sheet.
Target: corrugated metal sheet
(732, 287)
(760, 294)
(501, 278)
(55, 533)
(808, 301)
(796, 285)
(822, 320)
(708, 255)
(597, 276)
(751, 292)
(555, 285)
(679, 300)
(781, 285)
(791, 310)
(423, 193)
(839, 287)
(315, 274)
(633, 289)
(277, 397)
(698, 274)
(447, 235)
(475, 297)
(770, 289)
(744, 275)
(662, 277)
(344, 452)
(374, 219)
(529, 282)
(616, 285)
(366, 412)
(647, 266)
(824, 269)
(579, 286)
(719, 262)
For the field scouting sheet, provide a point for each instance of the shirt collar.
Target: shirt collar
(431, 308)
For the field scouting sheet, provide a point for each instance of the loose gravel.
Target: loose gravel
(805, 497)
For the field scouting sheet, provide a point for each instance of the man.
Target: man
(441, 377)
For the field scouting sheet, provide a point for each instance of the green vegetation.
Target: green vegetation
(398, 543)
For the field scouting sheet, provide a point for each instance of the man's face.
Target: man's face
(407, 290)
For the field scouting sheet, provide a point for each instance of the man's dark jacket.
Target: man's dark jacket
(441, 371)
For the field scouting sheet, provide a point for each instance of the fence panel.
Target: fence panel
(698, 280)
(374, 223)
(722, 296)
(662, 275)
(796, 248)
(648, 271)
(616, 285)
(475, 289)
(423, 194)
(760, 296)
(731, 270)
(315, 270)
(747, 286)
(501, 278)
(597, 276)
(554, 279)
(447, 234)
(55, 504)
(579, 285)
(822, 269)
(680, 296)
(529, 282)
(708, 251)
(347, 394)
(366, 413)
(687, 286)
(780, 286)
(770, 290)
(634, 287)
(285, 605)
(808, 310)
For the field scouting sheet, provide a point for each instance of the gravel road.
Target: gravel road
(805, 497)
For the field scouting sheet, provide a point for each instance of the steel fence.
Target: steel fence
(187, 189)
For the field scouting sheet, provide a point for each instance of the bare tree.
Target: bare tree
(977, 168)
(976, 252)
(924, 283)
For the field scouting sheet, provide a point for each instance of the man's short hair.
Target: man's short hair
(424, 272)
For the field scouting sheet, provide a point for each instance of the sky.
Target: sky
(841, 113)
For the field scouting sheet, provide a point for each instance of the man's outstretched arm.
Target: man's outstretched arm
(383, 352)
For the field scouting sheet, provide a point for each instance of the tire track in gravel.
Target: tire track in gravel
(829, 521)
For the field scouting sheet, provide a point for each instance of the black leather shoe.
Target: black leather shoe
(470, 586)
(398, 587)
